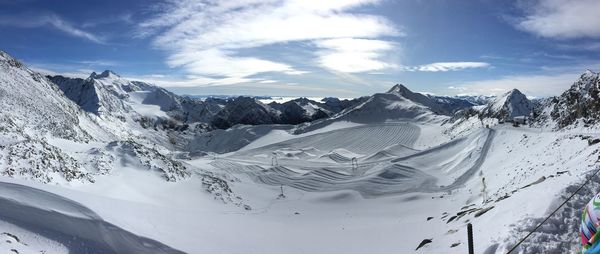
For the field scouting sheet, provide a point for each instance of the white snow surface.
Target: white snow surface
(380, 177)
(340, 213)
(350, 213)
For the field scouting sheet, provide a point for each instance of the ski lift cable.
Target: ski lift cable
(553, 212)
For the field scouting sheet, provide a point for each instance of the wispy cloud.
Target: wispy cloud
(531, 85)
(234, 86)
(191, 80)
(81, 73)
(446, 66)
(48, 20)
(267, 81)
(209, 38)
(99, 62)
(584, 46)
(353, 55)
(124, 18)
(562, 18)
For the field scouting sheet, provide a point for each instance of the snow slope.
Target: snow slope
(381, 175)
(487, 178)
(61, 218)
(511, 104)
(31, 103)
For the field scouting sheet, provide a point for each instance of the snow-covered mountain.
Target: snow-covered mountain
(37, 105)
(102, 94)
(43, 122)
(244, 110)
(109, 165)
(476, 99)
(109, 95)
(452, 104)
(300, 110)
(396, 104)
(437, 106)
(33, 110)
(511, 104)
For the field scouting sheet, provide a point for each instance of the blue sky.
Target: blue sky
(343, 48)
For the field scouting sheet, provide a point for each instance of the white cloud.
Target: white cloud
(99, 62)
(531, 85)
(208, 37)
(236, 86)
(353, 55)
(446, 66)
(83, 73)
(52, 20)
(562, 18)
(267, 81)
(217, 62)
(296, 72)
(197, 81)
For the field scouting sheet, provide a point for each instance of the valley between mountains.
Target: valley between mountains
(111, 165)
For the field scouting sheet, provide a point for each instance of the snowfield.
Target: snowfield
(108, 165)
(487, 178)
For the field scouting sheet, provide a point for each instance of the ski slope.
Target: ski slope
(364, 139)
(314, 163)
(487, 177)
(396, 197)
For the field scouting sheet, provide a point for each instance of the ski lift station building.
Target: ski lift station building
(520, 119)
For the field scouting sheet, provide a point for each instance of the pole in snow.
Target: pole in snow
(281, 195)
(470, 238)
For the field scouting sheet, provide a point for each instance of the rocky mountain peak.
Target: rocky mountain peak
(514, 92)
(399, 89)
(104, 74)
(580, 101)
(8, 59)
(511, 104)
(589, 72)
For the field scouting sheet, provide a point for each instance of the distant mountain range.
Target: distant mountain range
(107, 107)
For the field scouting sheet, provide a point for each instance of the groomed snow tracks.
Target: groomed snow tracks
(367, 139)
(391, 175)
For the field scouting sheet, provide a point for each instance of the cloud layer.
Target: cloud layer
(538, 85)
(353, 55)
(210, 38)
(562, 19)
(447, 66)
(48, 20)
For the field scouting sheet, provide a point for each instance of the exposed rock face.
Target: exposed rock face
(452, 104)
(476, 99)
(302, 110)
(79, 91)
(244, 110)
(39, 161)
(109, 95)
(102, 94)
(171, 170)
(336, 105)
(580, 101)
